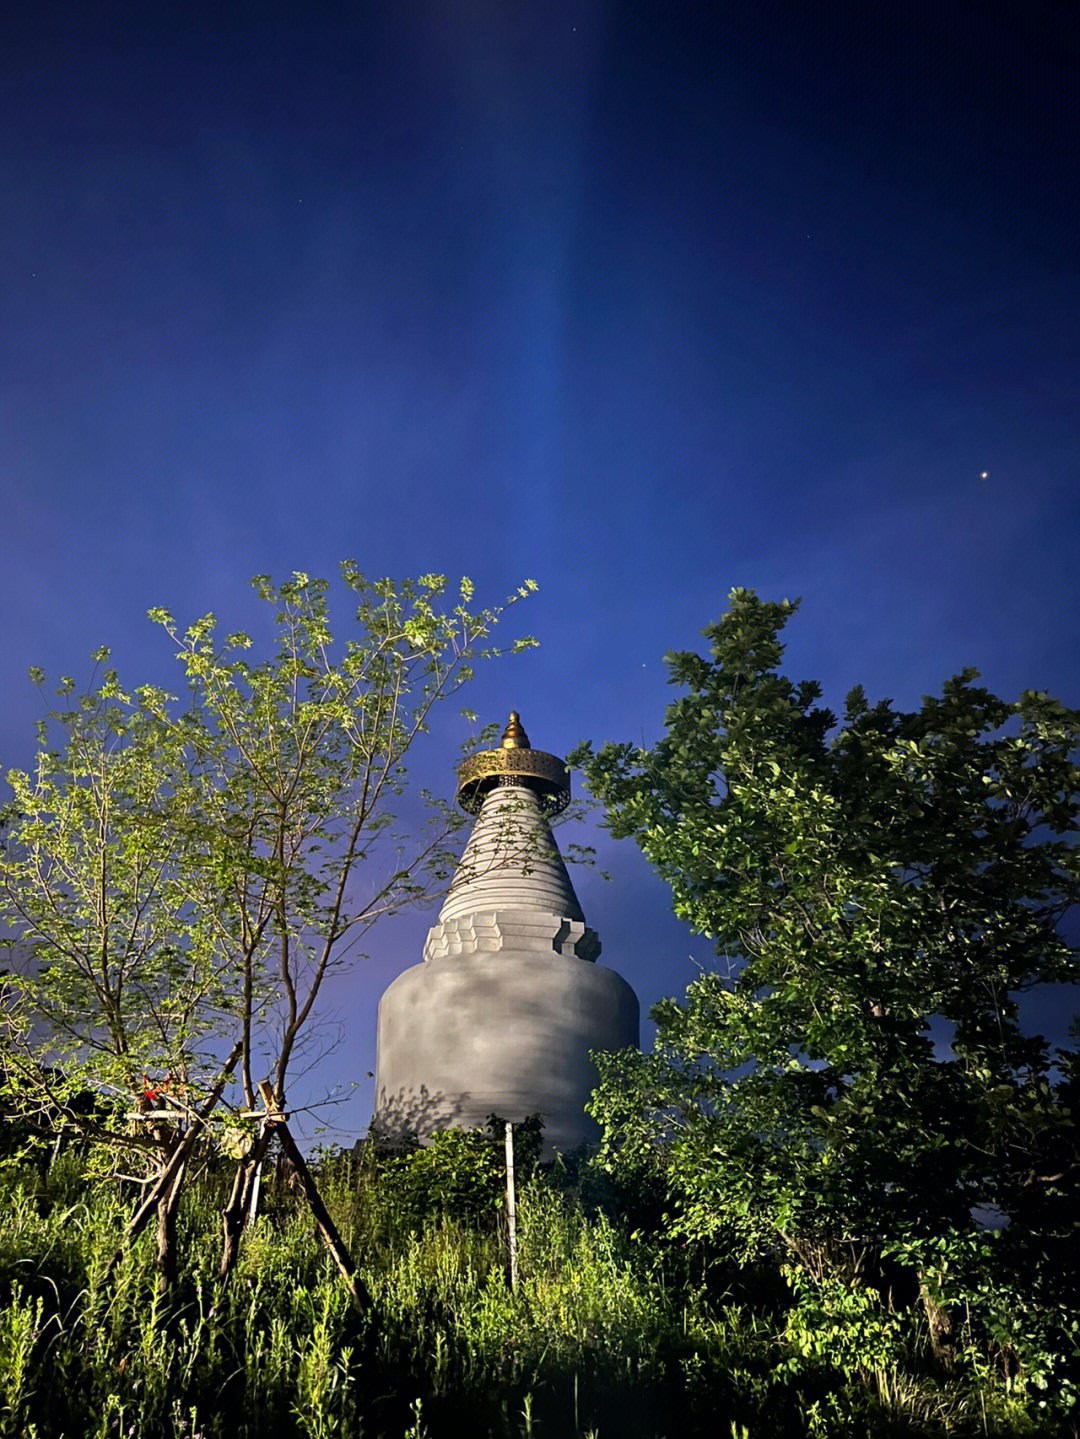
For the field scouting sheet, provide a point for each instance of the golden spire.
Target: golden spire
(514, 736)
(515, 762)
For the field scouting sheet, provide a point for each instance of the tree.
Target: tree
(183, 881)
(115, 976)
(855, 1083)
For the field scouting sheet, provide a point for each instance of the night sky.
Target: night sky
(639, 301)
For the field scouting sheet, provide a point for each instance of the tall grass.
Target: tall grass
(604, 1335)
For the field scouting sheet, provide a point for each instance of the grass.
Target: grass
(608, 1335)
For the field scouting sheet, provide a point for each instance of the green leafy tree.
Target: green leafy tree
(865, 879)
(181, 880)
(116, 990)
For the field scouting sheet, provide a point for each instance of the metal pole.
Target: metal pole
(511, 1204)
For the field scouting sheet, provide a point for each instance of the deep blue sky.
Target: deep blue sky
(641, 301)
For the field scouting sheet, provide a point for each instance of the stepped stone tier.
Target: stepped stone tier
(501, 1015)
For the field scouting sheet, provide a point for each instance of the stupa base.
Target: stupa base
(467, 1036)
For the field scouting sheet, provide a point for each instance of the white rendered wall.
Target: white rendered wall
(464, 1037)
(511, 861)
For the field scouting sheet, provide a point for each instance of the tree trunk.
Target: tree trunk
(169, 1181)
(942, 1340)
(165, 1252)
(234, 1215)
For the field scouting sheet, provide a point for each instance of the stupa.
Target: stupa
(509, 1000)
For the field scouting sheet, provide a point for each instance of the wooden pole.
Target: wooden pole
(327, 1230)
(256, 1185)
(511, 1204)
(243, 1201)
(275, 1121)
(178, 1160)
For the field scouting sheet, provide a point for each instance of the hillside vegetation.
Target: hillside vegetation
(615, 1329)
